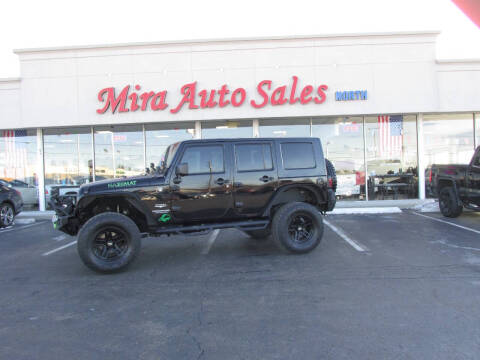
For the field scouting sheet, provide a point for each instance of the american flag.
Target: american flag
(390, 129)
(15, 154)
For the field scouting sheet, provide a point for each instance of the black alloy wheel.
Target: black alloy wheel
(110, 243)
(297, 227)
(300, 227)
(7, 215)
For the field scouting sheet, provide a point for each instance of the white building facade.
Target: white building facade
(384, 108)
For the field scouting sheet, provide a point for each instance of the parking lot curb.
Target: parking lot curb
(24, 221)
(402, 204)
(37, 215)
(366, 210)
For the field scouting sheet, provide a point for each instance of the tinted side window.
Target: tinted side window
(298, 155)
(200, 158)
(476, 161)
(251, 157)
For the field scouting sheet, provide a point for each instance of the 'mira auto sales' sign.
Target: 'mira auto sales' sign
(193, 99)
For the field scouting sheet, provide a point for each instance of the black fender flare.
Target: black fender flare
(129, 197)
(320, 199)
(10, 202)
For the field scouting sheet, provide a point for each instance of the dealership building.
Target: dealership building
(383, 106)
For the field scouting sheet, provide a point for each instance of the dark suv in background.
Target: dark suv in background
(262, 186)
(457, 186)
(11, 203)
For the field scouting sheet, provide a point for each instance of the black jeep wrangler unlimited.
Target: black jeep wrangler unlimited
(277, 187)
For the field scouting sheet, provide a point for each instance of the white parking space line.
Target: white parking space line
(211, 240)
(59, 248)
(345, 237)
(60, 237)
(11, 228)
(449, 223)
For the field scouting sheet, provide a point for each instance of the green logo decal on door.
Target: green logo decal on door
(164, 218)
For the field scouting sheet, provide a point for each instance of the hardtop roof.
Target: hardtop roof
(250, 139)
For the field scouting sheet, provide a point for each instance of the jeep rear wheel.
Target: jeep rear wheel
(297, 227)
(448, 203)
(108, 242)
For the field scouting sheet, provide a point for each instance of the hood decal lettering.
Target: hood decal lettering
(122, 184)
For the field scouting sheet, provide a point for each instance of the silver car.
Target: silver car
(29, 192)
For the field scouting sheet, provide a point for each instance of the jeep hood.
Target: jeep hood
(121, 184)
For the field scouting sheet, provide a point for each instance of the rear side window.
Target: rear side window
(298, 155)
(251, 157)
(201, 158)
(476, 161)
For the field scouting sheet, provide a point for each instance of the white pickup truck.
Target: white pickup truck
(63, 190)
(347, 185)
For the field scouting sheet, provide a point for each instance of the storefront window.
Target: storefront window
(342, 141)
(477, 129)
(285, 128)
(391, 142)
(118, 152)
(68, 158)
(160, 136)
(227, 129)
(18, 163)
(448, 138)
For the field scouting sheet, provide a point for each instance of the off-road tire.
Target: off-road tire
(448, 203)
(331, 173)
(284, 222)
(90, 247)
(7, 214)
(259, 235)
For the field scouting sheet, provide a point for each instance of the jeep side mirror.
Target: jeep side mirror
(181, 169)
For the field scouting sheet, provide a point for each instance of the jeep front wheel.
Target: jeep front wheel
(108, 242)
(448, 203)
(297, 227)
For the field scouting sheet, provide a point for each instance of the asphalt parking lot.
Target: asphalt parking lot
(380, 286)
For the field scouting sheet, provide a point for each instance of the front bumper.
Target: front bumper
(64, 219)
(19, 209)
(59, 222)
(65, 223)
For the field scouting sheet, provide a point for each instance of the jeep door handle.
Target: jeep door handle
(266, 178)
(221, 181)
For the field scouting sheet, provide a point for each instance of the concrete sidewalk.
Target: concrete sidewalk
(402, 204)
(355, 206)
(39, 215)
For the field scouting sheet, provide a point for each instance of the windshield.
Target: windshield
(169, 155)
(5, 183)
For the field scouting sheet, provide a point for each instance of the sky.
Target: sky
(54, 23)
